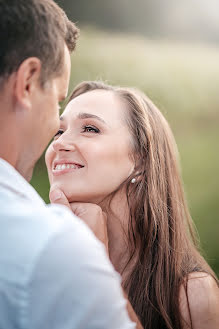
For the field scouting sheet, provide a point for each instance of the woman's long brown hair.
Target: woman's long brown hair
(161, 238)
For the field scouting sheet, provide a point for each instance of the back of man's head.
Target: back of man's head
(34, 28)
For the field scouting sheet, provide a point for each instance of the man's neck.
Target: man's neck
(8, 129)
(11, 145)
(8, 149)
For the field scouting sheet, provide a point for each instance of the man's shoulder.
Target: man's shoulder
(35, 217)
(28, 232)
(51, 264)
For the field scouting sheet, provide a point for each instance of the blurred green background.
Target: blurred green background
(175, 61)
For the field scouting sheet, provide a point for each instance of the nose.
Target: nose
(60, 145)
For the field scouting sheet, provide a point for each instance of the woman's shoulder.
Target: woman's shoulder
(199, 301)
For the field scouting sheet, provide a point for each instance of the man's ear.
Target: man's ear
(27, 80)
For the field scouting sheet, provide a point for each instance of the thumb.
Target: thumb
(57, 196)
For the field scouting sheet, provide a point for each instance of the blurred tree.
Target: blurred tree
(116, 14)
(188, 19)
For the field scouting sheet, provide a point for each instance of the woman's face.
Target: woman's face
(90, 155)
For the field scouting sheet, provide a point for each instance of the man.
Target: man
(53, 272)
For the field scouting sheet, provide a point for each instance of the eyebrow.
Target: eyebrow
(86, 116)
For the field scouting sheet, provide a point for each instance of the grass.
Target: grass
(183, 81)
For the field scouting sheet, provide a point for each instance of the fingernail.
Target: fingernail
(55, 195)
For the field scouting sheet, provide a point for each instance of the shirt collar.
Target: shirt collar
(12, 180)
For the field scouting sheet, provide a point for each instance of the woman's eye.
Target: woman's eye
(91, 129)
(59, 133)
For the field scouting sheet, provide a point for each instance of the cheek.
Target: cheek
(116, 155)
(110, 161)
(52, 116)
(53, 124)
(99, 155)
(48, 126)
(49, 157)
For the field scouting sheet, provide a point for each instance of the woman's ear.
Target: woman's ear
(27, 81)
(137, 172)
(137, 176)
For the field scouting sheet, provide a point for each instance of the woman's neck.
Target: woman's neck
(117, 227)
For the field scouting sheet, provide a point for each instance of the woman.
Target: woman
(115, 149)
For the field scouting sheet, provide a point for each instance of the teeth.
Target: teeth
(66, 166)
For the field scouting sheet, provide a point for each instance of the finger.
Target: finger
(57, 196)
(81, 208)
(77, 209)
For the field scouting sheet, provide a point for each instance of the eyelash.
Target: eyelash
(59, 132)
(87, 128)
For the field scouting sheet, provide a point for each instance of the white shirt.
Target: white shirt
(53, 271)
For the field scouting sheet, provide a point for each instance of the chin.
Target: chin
(70, 195)
(79, 194)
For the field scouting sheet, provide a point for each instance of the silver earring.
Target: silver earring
(133, 181)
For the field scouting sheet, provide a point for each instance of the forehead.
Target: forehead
(102, 103)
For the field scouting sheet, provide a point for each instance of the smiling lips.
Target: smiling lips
(61, 168)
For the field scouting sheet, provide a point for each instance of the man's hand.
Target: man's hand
(57, 196)
(94, 217)
(90, 213)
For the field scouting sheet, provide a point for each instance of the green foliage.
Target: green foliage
(183, 81)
